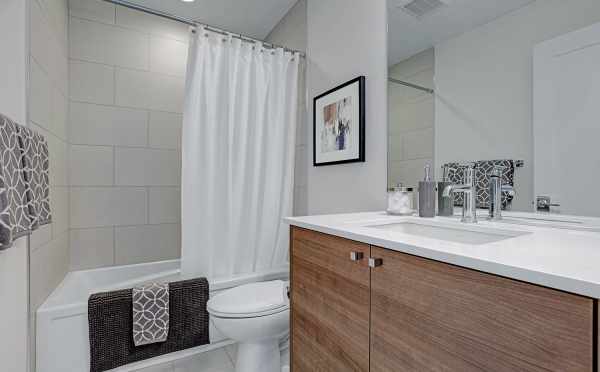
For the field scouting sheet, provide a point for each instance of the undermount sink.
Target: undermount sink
(465, 235)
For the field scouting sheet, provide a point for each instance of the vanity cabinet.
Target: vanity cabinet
(329, 303)
(416, 314)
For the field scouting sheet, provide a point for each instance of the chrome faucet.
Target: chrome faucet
(496, 190)
(469, 189)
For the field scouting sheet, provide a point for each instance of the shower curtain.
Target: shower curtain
(239, 129)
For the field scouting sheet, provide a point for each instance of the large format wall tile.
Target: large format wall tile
(48, 266)
(418, 144)
(148, 243)
(40, 96)
(165, 130)
(95, 10)
(152, 24)
(164, 205)
(107, 125)
(147, 167)
(97, 42)
(91, 165)
(168, 56)
(127, 88)
(59, 204)
(149, 90)
(107, 206)
(92, 83)
(92, 248)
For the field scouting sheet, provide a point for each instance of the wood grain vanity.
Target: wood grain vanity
(359, 307)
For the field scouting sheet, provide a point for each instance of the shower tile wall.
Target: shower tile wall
(127, 85)
(48, 108)
(411, 118)
(47, 113)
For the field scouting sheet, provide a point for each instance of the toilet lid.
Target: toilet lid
(254, 299)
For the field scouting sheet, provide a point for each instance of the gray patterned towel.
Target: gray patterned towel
(24, 184)
(482, 177)
(150, 313)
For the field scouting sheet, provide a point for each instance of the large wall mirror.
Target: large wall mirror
(511, 82)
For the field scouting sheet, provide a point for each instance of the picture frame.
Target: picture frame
(339, 124)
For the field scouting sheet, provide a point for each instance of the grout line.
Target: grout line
(115, 186)
(114, 231)
(126, 107)
(114, 154)
(119, 226)
(131, 28)
(123, 146)
(114, 98)
(136, 69)
(148, 119)
(147, 205)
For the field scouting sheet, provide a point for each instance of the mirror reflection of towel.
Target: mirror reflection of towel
(482, 175)
(24, 181)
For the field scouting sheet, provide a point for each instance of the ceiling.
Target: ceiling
(254, 18)
(409, 35)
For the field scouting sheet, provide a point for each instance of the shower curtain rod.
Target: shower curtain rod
(193, 23)
(411, 85)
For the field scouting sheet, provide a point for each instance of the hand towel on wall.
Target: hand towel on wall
(150, 313)
(455, 175)
(23, 175)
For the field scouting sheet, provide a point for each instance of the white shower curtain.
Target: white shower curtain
(239, 129)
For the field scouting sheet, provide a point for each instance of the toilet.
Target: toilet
(257, 317)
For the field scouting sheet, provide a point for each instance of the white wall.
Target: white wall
(346, 39)
(411, 120)
(484, 86)
(13, 262)
(127, 73)
(291, 32)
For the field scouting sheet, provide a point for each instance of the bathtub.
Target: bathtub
(62, 343)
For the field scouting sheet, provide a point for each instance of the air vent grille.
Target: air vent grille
(421, 8)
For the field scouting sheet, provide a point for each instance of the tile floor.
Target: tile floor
(219, 360)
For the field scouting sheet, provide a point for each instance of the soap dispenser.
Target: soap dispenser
(445, 204)
(427, 195)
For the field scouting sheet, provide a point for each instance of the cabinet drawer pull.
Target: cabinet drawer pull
(375, 262)
(356, 256)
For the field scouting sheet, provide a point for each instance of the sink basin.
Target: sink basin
(465, 235)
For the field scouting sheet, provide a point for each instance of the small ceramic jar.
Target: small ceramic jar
(400, 200)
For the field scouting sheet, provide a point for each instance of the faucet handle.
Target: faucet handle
(508, 189)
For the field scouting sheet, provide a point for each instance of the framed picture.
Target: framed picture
(339, 124)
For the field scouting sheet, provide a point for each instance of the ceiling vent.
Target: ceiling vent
(421, 8)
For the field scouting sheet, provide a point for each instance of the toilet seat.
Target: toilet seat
(250, 300)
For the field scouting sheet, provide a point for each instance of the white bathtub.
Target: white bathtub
(62, 343)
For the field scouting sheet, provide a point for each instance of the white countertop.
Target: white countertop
(558, 258)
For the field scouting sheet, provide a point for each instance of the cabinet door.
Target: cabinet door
(330, 303)
(431, 316)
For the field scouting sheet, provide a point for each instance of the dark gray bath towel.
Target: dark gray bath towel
(111, 325)
(24, 183)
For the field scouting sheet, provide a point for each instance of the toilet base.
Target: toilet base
(260, 356)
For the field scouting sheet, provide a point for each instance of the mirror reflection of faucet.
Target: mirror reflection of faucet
(496, 190)
(469, 189)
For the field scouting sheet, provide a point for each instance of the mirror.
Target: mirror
(498, 80)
